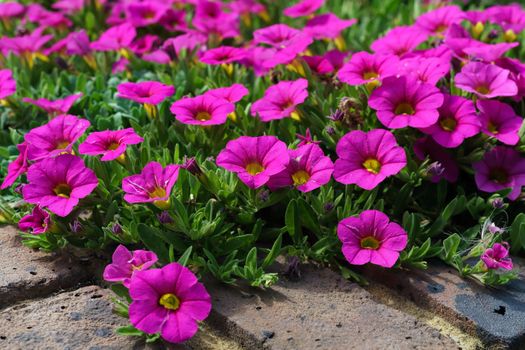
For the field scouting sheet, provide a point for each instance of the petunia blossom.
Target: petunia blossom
(59, 183)
(169, 301)
(485, 80)
(457, 121)
(17, 167)
(371, 238)
(202, 110)
(399, 41)
(303, 8)
(499, 120)
(327, 26)
(309, 168)
(281, 100)
(143, 14)
(233, 93)
(7, 83)
(368, 158)
(54, 107)
(501, 168)
(427, 70)
(426, 147)
(437, 21)
(115, 38)
(110, 144)
(152, 185)
(404, 101)
(124, 264)
(497, 257)
(147, 92)
(254, 159)
(366, 68)
(38, 222)
(223, 55)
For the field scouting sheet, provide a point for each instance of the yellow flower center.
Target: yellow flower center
(493, 128)
(254, 168)
(372, 165)
(62, 145)
(369, 243)
(448, 124)
(300, 177)
(404, 108)
(203, 116)
(169, 301)
(483, 89)
(158, 192)
(510, 36)
(370, 75)
(62, 190)
(113, 146)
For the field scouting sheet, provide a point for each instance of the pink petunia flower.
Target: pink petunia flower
(232, 94)
(437, 21)
(38, 222)
(427, 70)
(115, 38)
(457, 121)
(306, 139)
(319, 64)
(213, 21)
(59, 183)
(336, 58)
(307, 170)
(497, 257)
(110, 144)
(168, 301)
(404, 101)
(517, 73)
(287, 41)
(281, 100)
(17, 167)
(124, 264)
(152, 185)
(485, 80)
(499, 121)
(366, 68)
(28, 46)
(143, 14)
(10, 9)
(487, 52)
(78, 43)
(399, 41)
(7, 83)
(368, 158)
(54, 107)
(303, 8)
(223, 55)
(254, 159)
(327, 26)
(371, 238)
(147, 92)
(144, 44)
(202, 110)
(501, 168)
(427, 147)
(55, 137)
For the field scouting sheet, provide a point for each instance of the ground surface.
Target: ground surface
(56, 302)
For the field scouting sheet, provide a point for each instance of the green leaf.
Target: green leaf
(129, 331)
(517, 233)
(185, 257)
(450, 247)
(291, 219)
(151, 237)
(274, 252)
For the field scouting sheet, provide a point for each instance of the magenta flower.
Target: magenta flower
(457, 121)
(7, 83)
(371, 238)
(399, 41)
(404, 101)
(202, 110)
(55, 137)
(287, 40)
(78, 44)
(427, 70)
(319, 64)
(232, 94)
(38, 222)
(54, 107)
(368, 158)
(306, 139)
(366, 68)
(281, 100)
(486, 80)
(427, 147)
(501, 168)
(336, 58)
(152, 185)
(168, 301)
(120, 66)
(110, 144)
(59, 183)
(212, 20)
(115, 38)
(17, 167)
(150, 92)
(307, 170)
(499, 121)
(28, 46)
(303, 8)
(327, 26)
(144, 44)
(489, 53)
(497, 257)
(124, 264)
(142, 14)
(223, 55)
(436, 22)
(254, 159)
(10, 9)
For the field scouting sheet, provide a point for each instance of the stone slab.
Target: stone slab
(495, 315)
(27, 273)
(319, 311)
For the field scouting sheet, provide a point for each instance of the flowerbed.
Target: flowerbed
(202, 137)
